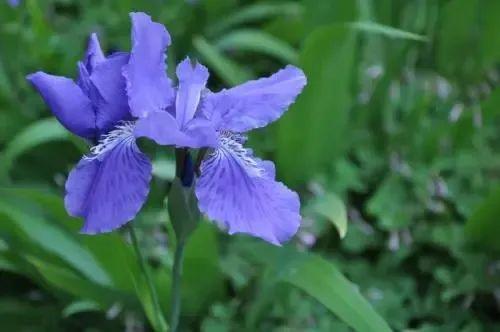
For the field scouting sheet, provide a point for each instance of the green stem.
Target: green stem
(175, 300)
(149, 280)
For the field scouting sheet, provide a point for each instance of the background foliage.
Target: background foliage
(398, 132)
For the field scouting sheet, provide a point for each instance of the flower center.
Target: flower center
(231, 146)
(123, 132)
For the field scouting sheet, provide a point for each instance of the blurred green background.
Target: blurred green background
(393, 147)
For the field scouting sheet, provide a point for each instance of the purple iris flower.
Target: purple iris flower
(235, 189)
(14, 3)
(109, 186)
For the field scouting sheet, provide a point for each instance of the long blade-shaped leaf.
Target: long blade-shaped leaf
(315, 125)
(260, 42)
(373, 27)
(40, 132)
(321, 280)
(228, 70)
(255, 12)
(54, 240)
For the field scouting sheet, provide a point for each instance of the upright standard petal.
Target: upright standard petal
(148, 87)
(68, 103)
(93, 57)
(237, 192)
(164, 129)
(109, 188)
(111, 97)
(94, 54)
(192, 80)
(256, 103)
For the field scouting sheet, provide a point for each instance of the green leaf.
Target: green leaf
(78, 307)
(71, 283)
(259, 42)
(229, 71)
(490, 38)
(322, 13)
(457, 35)
(255, 12)
(215, 8)
(11, 260)
(331, 207)
(321, 280)
(40, 132)
(202, 254)
(183, 210)
(144, 295)
(112, 262)
(483, 226)
(315, 126)
(53, 239)
(318, 278)
(388, 204)
(376, 28)
(7, 265)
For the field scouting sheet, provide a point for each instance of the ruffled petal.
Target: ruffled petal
(163, 128)
(237, 192)
(148, 87)
(111, 100)
(68, 103)
(256, 103)
(269, 168)
(109, 189)
(192, 81)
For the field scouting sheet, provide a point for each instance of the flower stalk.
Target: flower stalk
(175, 300)
(160, 321)
(184, 217)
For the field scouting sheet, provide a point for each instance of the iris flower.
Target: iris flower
(124, 96)
(109, 186)
(14, 3)
(235, 189)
